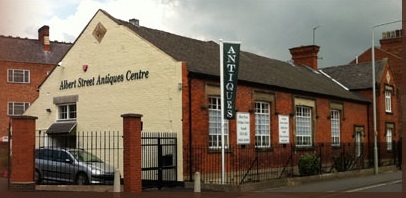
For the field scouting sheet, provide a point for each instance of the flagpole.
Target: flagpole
(222, 113)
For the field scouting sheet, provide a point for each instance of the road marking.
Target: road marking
(374, 186)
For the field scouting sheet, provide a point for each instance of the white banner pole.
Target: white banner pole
(222, 113)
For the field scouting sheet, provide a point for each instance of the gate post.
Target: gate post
(132, 127)
(22, 153)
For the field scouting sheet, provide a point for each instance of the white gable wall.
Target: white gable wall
(99, 107)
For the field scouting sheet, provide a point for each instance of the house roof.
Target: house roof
(31, 50)
(202, 57)
(356, 76)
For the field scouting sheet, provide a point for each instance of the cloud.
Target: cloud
(265, 27)
(271, 27)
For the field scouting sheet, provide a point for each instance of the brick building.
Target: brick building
(173, 81)
(24, 65)
(390, 50)
(358, 78)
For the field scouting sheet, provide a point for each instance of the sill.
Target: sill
(264, 149)
(389, 113)
(305, 148)
(338, 146)
(66, 120)
(19, 82)
(218, 150)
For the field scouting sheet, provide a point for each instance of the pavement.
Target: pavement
(334, 185)
(3, 184)
(341, 184)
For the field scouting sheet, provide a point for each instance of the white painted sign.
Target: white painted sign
(243, 128)
(283, 129)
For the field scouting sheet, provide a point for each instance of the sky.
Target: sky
(265, 27)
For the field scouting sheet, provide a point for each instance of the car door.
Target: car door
(63, 166)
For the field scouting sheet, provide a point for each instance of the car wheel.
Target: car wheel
(37, 177)
(82, 179)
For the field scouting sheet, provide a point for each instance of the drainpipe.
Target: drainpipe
(190, 128)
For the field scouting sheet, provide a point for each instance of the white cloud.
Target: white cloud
(268, 27)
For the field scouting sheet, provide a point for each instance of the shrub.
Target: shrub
(309, 165)
(343, 162)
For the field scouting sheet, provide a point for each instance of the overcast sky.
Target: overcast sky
(265, 27)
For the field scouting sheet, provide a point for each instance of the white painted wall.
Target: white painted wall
(100, 107)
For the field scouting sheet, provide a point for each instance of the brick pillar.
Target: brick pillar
(22, 153)
(132, 152)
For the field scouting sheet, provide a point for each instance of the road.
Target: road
(384, 182)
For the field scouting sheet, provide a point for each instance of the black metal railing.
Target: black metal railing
(245, 164)
(82, 158)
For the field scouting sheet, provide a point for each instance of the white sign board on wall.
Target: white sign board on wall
(243, 128)
(283, 129)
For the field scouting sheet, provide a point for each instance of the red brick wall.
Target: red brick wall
(25, 93)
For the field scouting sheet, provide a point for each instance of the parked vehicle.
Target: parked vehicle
(71, 166)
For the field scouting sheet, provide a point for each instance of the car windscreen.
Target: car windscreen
(83, 156)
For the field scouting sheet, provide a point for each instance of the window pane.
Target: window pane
(335, 127)
(262, 124)
(215, 123)
(63, 112)
(72, 111)
(388, 102)
(26, 76)
(303, 126)
(10, 108)
(10, 75)
(389, 139)
(18, 76)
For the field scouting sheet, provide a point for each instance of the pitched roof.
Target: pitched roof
(356, 76)
(202, 57)
(31, 51)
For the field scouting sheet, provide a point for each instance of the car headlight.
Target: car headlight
(97, 171)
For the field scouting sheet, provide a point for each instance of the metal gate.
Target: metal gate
(159, 159)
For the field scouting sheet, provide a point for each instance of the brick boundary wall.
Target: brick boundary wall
(22, 158)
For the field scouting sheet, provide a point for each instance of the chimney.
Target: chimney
(135, 22)
(43, 37)
(305, 55)
(392, 41)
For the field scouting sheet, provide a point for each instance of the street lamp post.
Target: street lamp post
(374, 94)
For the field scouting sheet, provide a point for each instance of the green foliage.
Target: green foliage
(309, 165)
(343, 162)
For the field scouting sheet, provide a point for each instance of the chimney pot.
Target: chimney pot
(135, 22)
(391, 41)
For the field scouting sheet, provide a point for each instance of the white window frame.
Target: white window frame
(304, 137)
(335, 127)
(215, 124)
(25, 74)
(12, 107)
(388, 101)
(262, 124)
(389, 132)
(70, 114)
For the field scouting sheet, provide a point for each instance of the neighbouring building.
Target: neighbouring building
(358, 78)
(24, 64)
(116, 67)
(390, 48)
